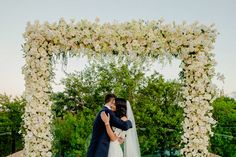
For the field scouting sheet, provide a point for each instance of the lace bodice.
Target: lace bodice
(119, 132)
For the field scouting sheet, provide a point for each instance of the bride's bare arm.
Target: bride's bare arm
(110, 132)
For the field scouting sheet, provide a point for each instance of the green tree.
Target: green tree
(158, 116)
(83, 97)
(224, 140)
(11, 111)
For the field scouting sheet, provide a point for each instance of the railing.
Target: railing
(10, 143)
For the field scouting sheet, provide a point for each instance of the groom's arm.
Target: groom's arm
(118, 123)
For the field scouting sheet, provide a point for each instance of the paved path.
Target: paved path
(17, 154)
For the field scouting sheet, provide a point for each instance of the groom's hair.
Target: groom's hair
(109, 97)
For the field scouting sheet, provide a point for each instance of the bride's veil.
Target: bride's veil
(131, 144)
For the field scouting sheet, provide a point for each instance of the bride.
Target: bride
(117, 136)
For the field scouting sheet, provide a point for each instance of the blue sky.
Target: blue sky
(14, 15)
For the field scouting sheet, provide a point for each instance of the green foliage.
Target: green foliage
(11, 111)
(154, 102)
(224, 140)
(158, 116)
(72, 133)
(153, 99)
(83, 97)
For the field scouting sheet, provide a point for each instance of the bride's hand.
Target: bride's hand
(105, 118)
(121, 140)
(124, 118)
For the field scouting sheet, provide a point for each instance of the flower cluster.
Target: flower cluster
(198, 93)
(37, 116)
(190, 43)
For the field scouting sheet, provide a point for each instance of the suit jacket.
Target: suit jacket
(100, 141)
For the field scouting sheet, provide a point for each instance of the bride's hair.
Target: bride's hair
(121, 107)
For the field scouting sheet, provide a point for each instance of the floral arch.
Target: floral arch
(192, 44)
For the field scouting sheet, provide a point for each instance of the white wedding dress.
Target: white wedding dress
(115, 149)
(131, 144)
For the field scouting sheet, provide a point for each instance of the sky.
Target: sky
(14, 14)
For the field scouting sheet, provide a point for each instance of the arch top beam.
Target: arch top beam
(153, 38)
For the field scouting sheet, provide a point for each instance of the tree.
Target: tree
(10, 124)
(158, 115)
(224, 140)
(83, 97)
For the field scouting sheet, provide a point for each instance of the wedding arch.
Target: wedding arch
(191, 43)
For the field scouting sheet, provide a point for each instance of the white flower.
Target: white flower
(138, 37)
(65, 108)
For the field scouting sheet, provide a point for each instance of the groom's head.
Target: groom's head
(110, 100)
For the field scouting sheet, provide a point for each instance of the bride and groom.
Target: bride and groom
(113, 126)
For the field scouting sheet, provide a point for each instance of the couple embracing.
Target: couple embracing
(113, 126)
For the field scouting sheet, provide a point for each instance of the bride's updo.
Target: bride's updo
(121, 107)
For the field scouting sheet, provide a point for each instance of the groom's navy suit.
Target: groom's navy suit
(100, 141)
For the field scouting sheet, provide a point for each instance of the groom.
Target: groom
(100, 141)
